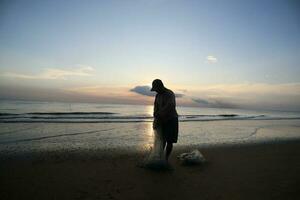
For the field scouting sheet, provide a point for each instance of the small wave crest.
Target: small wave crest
(98, 117)
(57, 113)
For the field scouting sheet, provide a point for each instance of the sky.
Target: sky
(213, 53)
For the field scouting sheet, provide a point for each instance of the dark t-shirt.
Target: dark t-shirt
(165, 106)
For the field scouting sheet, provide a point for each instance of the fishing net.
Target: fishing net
(156, 157)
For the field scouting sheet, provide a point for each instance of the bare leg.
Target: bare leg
(164, 144)
(169, 150)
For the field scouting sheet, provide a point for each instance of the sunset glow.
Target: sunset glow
(212, 53)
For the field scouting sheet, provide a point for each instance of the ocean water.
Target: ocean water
(27, 126)
(57, 112)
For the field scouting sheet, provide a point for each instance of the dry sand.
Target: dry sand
(261, 171)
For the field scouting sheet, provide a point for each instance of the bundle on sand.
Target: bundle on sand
(194, 157)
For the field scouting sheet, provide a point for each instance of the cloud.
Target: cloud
(211, 60)
(200, 101)
(145, 90)
(214, 103)
(54, 73)
(92, 94)
(248, 96)
(179, 95)
(183, 90)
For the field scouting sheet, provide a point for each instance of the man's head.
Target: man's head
(157, 86)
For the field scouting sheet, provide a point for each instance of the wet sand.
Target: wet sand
(253, 171)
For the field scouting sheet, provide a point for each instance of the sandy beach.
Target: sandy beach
(253, 171)
(109, 100)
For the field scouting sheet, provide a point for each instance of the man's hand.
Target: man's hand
(155, 123)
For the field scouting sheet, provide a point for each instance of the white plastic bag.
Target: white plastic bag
(192, 158)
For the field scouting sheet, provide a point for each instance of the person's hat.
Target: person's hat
(157, 83)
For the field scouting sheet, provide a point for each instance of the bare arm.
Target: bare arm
(155, 115)
(155, 112)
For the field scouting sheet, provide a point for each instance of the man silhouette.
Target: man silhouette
(165, 115)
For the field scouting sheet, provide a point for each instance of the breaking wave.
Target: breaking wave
(98, 117)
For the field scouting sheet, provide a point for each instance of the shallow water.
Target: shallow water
(43, 126)
(29, 137)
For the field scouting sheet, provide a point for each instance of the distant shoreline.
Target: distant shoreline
(139, 121)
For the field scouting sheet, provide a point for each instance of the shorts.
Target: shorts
(169, 130)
